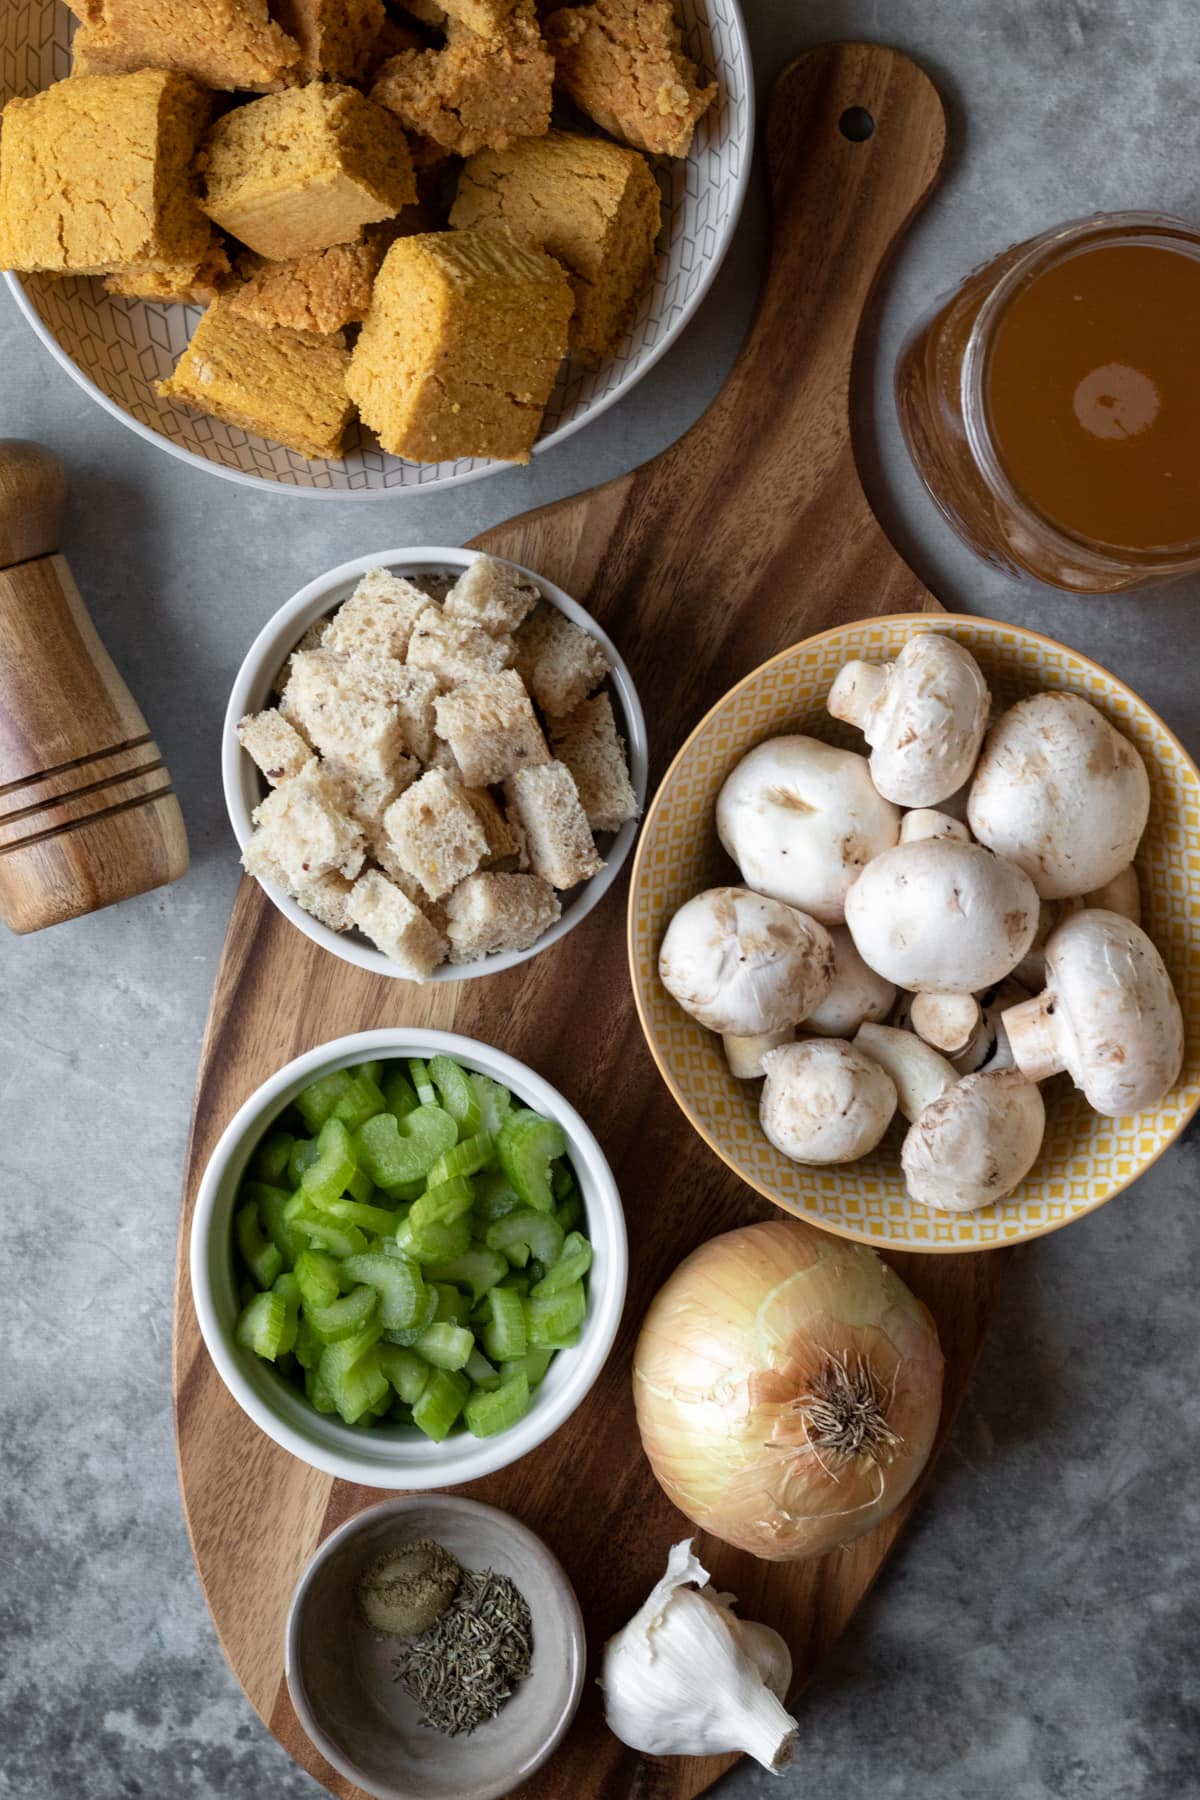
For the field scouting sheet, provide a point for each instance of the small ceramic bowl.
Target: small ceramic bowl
(1085, 1159)
(252, 690)
(340, 1672)
(397, 1456)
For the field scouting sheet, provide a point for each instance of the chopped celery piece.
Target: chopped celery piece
(562, 1179)
(329, 1177)
(436, 1242)
(399, 1093)
(335, 1235)
(452, 1306)
(353, 1374)
(532, 1365)
(441, 1403)
(395, 1151)
(316, 1102)
(259, 1255)
(405, 1370)
(304, 1155)
(373, 1069)
(528, 1144)
(536, 1233)
(457, 1094)
(478, 1267)
(572, 1266)
(504, 1335)
(272, 1205)
(487, 1413)
(419, 1076)
(269, 1163)
(552, 1317)
(360, 1187)
(398, 1283)
(262, 1325)
(442, 1204)
(495, 1195)
(444, 1345)
(288, 1289)
(318, 1394)
(569, 1211)
(343, 1318)
(371, 1218)
(308, 1345)
(495, 1103)
(408, 1337)
(479, 1371)
(360, 1101)
(467, 1158)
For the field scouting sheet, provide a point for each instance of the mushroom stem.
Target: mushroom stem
(920, 1075)
(745, 1054)
(928, 822)
(1033, 1031)
(947, 1021)
(856, 689)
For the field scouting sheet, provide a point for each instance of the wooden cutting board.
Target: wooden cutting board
(748, 534)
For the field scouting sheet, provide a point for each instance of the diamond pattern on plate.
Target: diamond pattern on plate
(120, 348)
(1085, 1159)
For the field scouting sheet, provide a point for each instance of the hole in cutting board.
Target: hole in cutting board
(856, 124)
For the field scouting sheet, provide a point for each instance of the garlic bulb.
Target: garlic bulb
(687, 1678)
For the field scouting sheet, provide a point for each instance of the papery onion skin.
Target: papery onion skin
(729, 1350)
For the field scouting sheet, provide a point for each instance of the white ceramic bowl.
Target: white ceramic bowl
(245, 787)
(396, 1456)
(118, 349)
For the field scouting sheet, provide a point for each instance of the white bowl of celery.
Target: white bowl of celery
(408, 1258)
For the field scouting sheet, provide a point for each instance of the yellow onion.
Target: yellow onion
(788, 1387)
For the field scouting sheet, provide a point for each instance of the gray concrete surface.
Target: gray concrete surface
(1036, 1637)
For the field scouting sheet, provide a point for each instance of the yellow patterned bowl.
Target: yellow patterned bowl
(1085, 1159)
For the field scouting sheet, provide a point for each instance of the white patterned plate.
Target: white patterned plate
(117, 349)
(1085, 1159)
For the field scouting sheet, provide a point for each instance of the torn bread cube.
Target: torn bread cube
(395, 925)
(273, 744)
(366, 796)
(454, 649)
(489, 913)
(379, 615)
(496, 596)
(504, 842)
(312, 640)
(559, 841)
(302, 827)
(588, 742)
(363, 709)
(435, 834)
(491, 727)
(558, 661)
(323, 896)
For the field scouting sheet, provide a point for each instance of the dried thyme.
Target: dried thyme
(461, 1671)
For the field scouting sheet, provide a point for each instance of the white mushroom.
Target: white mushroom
(800, 819)
(941, 917)
(745, 1054)
(927, 822)
(743, 964)
(1122, 895)
(1031, 970)
(1109, 1016)
(970, 1142)
(924, 716)
(857, 995)
(824, 1101)
(947, 1021)
(1061, 793)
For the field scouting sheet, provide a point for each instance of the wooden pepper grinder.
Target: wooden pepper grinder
(87, 813)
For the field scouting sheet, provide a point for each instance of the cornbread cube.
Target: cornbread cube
(322, 292)
(302, 828)
(504, 842)
(96, 175)
(298, 171)
(478, 90)
(492, 594)
(379, 615)
(393, 37)
(434, 834)
(559, 662)
(491, 728)
(223, 43)
(455, 650)
(395, 925)
(461, 347)
(193, 283)
(588, 742)
(559, 841)
(489, 913)
(428, 12)
(335, 36)
(592, 205)
(284, 385)
(622, 63)
(274, 745)
(362, 709)
(486, 18)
